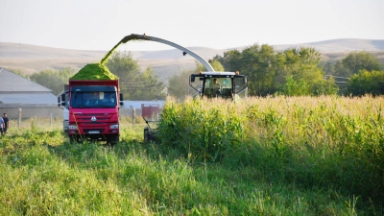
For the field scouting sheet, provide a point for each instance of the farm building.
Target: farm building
(33, 99)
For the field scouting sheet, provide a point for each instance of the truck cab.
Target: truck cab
(218, 84)
(93, 110)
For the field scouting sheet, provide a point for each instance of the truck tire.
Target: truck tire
(72, 139)
(75, 139)
(113, 140)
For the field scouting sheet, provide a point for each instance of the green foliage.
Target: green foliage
(231, 60)
(206, 134)
(135, 85)
(293, 156)
(295, 88)
(53, 80)
(356, 61)
(327, 67)
(313, 143)
(259, 63)
(292, 71)
(178, 85)
(94, 71)
(148, 87)
(217, 66)
(366, 82)
(303, 74)
(324, 87)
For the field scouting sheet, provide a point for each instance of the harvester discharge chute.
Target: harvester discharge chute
(209, 84)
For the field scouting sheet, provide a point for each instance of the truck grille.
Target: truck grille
(87, 118)
(93, 131)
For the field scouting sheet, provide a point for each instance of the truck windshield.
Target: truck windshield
(84, 98)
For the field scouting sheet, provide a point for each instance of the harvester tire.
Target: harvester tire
(146, 135)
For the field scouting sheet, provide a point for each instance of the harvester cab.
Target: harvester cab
(218, 84)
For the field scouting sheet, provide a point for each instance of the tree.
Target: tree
(148, 87)
(179, 84)
(128, 71)
(303, 74)
(217, 66)
(231, 60)
(292, 71)
(135, 85)
(54, 80)
(327, 67)
(356, 61)
(257, 62)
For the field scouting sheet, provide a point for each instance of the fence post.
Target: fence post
(133, 115)
(51, 121)
(19, 122)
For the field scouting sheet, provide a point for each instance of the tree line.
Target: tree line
(292, 72)
(298, 71)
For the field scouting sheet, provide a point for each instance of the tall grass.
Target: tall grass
(257, 167)
(323, 142)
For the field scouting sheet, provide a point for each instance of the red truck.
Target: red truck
(93, 107)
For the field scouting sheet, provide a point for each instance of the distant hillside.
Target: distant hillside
(165, 63)
(340, 45)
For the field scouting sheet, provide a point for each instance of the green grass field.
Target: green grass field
(260, 156)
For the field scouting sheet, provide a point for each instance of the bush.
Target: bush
(366, 82)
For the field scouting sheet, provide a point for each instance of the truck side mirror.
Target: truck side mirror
(62, 100)
(121, 99)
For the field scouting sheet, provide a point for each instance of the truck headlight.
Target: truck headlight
(72, 127)
(114, 126)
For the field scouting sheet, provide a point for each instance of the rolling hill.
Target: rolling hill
(165, 63)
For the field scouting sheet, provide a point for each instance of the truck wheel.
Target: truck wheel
(113, 140)
(146, 135)
(72, 139)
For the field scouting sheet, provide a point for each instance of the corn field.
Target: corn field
(327, 142)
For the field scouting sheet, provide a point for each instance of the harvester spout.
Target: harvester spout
(160, 40)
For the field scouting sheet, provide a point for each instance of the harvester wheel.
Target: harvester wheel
(146, 135)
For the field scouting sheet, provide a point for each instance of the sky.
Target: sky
(219, 24)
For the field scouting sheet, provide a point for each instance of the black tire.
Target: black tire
(72, 139)
(146, 135)
(113, 140)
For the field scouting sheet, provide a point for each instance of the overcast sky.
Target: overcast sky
(219, 24)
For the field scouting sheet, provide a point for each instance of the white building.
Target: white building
(18, 92)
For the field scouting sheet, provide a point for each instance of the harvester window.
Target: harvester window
(218, 87)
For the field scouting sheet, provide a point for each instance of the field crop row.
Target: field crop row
(260, 156)
(322, 142)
